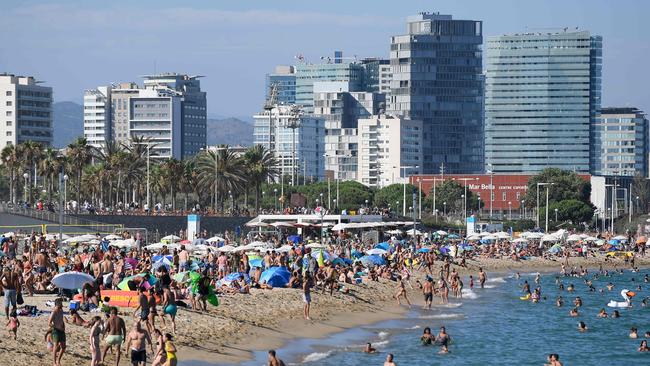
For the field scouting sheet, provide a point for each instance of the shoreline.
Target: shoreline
(243, 325)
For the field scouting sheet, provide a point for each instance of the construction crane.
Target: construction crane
(270, 103)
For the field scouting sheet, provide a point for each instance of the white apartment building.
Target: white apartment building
(156, 116)
(97, 116)
(300, 149)
(390, 149)
(25, 111)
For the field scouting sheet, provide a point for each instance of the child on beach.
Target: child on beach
(13, 324)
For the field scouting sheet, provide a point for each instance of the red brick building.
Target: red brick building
(505, 188)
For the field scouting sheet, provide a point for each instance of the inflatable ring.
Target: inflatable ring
(527, 297)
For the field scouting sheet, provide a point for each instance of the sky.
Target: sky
(77, 45)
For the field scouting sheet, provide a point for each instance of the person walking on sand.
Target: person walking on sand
(57, 325)
(170, 349)
(401, 292)
(306, 296)
(137, 342)
(482, 277)
(115, 334)
(274, 360)
(427, 290)
(93, 339)
(10, 283)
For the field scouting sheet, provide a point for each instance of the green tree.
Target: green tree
(79, 154)
(261, 165)
(640, 189)
(567, 185)
(393, 196)
(571, 210)
(11, 161)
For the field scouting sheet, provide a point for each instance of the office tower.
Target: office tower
(176, 123)
(541, 99)
(620, 142)
(437, 78)
(341, 109)
(25, 111)
(297, 141)
(194, 112)
(376, 75)
(337, 71)
(284, 79)
(97, 116)
(390, 149)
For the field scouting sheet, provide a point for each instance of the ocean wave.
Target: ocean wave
(469, 294)
(380, 343)
(449, 305)
(489, 286)
(382, 335)
(316, 356)
(497, 280)
(413, 327)
(443, 316)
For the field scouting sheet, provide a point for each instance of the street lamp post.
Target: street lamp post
(404, 167)
(275, 199)
(556, 216)
(538, 185)
(65, 190)
(26, 176)
(465, 180)
(464, 197)
(523, 209)
(263, 193)
(510, 210)
(491, 173)
(546, 226)
(478, 196)
(444, 209)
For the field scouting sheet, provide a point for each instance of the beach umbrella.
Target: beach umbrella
(620, 237)
(170, 238)
(124, 285)
(424, 250)
(376, 251)
(574, 237)
(535, 236)
(284, 249)
(72, 280)
(257, 224)
(257, 262)
(235, 277)
(502, 235)
(520, 240)
(556, 248)
(226, 248)
(370, 260)
(549, 237)
(441, 232)
(130, 263)
(127, 243)
(294, 239)
(162, 261)
(453, 236)
(199, 241)
(181, 276)
(215, 239)
(599, 242)
(276, 276)
(490, 237)
(383, 245)
(614, 242)
(474, 237)
(356, 254)
(413, 232)
(112, 237)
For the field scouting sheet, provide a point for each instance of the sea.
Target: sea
(493, 326)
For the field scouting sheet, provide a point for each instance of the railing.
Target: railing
(45, 215)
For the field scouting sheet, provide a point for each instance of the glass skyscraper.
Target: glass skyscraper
(437, 78)
(308, 74)
(284, 78)
(542, 94)
(620, 143)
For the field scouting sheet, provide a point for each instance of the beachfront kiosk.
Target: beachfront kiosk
(193, 226)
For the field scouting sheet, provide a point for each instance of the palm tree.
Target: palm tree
(11, 159)
(30, 151)
(261, 165)
(188, 179)
(79, 154)
(49, 165)
(172, 171)
(223, 168)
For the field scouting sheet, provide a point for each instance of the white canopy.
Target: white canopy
(502, 235)
(282, 224)
(128, 243)
(549, 238)
(441, 232)
(159, 246)
(620, 237)
(316, 246)
(215, 239)
(484, 233)
(520, 240)
(171, 238)
(473, 237)
(535, 236)
(226, 249)
(112, 237)
(9, 234)
(411, 232)
(574, 237)
(257, 224)
(490, 237)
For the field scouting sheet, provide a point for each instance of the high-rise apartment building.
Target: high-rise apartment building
(296, 140)
(390, 149)
(341, 110)
(25, 111)
(437, 79)
(284, 79)
(541, 99)
(307, 74)
(170, 110)
(620, 142)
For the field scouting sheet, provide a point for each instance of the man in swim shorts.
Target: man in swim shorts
(115, 334)
(427, 290)
(137, 342)
(57, 325)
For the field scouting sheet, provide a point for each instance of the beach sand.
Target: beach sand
(265, 319)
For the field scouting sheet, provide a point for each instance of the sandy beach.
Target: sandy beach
(264, 319)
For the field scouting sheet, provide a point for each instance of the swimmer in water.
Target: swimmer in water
(582, 327)
(369, 348)
(643, 347)
(537, 279)
(616, 314)
(559, 302)
(634, 333)
(571, 288)
(427, 338)
(443, 340)
(389, 360)
(577, 302)
(647, 334)
(517, 276)
(471, 282)
(573, 312)
(602, 313)
(561, 287)
(610, 286)
(553, 360)
(646, 279)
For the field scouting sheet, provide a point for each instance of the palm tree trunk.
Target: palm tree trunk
(78, 190)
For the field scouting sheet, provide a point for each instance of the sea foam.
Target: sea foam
(316, 356)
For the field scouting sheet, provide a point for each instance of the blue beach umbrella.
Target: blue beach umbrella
(294, 239)
(424, 250)
(372, 260)
(356, 254)
(383, 245)
(257, 262)
(453, 236)
(276, 276)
